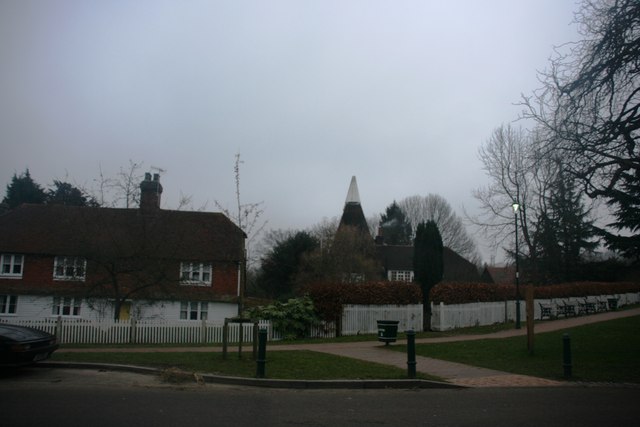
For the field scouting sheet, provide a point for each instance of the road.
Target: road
(65, 397)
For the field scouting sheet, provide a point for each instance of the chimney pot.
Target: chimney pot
(150, 192)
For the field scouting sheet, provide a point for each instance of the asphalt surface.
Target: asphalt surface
(80, 397)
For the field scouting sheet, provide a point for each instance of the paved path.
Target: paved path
(452, 372)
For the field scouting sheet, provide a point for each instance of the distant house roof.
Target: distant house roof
(73, 231)
(400, 257)
(499, 275)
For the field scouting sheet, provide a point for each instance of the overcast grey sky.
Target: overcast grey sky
(399, 93)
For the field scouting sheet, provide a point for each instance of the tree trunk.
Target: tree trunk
(117, 306)
(426, 311)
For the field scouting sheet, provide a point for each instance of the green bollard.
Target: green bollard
(411, 353)
(261, 361)
(566, 355)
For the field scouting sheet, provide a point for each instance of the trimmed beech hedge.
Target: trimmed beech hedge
(462, 293)
(328, 298)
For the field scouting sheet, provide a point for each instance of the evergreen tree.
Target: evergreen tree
(23, 189)
(428, 263)
(279, 268)
(565, 231)
(64, 193)
(627, 217)
(396, 228)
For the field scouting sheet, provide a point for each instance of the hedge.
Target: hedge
(328, 298)
(461, 293)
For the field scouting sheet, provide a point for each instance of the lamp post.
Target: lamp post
(516, 208)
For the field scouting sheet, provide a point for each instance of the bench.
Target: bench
(565, 309)
(545, 311)
(586, 307)
(602, 305)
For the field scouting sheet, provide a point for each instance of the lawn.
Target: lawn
(606, 351)
(299, 364)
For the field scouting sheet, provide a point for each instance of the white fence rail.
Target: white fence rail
(362, 319)
(79, 331)
(447, 317)
(356, 319)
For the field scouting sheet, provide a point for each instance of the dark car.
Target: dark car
(20, 345)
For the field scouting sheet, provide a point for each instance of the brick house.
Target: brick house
(94, 263)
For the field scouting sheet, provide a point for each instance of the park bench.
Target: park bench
(566, 309)
(586, 307)
(545, 311)
(602, 305)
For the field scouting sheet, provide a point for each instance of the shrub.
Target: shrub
(293, 319)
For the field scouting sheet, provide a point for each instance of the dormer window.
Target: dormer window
(69, 268)
(195, 273)
(11, 266)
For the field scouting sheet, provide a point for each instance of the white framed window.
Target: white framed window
(194, 310)
(195, 273)
(65, 306)
(8, 304)
(69, 268)
(401, 275)
(11, 266)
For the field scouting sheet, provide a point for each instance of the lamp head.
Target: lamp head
(516, 207)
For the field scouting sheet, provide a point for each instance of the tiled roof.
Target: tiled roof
(71, 230)
(499, 275)
(400, 257)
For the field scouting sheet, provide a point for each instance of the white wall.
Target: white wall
(35, 307)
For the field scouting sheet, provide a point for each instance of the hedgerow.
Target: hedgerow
(461, 293)
(328, 298)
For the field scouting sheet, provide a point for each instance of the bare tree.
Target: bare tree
(247, 216)
(589, 109)
(123, 190)
(419, 209)
(511, 163)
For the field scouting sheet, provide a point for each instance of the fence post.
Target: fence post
(255, 339)
(59, 329)
(225, 338)
(411, 354)
(442, 317)
(203, 332)
(132, 331)
(566, 355)
(262, 353)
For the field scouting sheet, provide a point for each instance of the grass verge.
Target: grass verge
(601, 352)
(299, 364)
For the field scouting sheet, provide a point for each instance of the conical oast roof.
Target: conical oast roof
(353, 215)
(353, 196)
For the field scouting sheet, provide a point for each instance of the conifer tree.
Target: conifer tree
(23, 189)
(428, 264)
(396, 228)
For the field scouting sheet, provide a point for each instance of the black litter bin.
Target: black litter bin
(387, 331)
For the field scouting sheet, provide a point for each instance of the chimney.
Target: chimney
(380, 237)
(150, 192)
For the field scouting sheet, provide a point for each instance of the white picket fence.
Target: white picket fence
(362, 319)
(79, 331)
(356, 319)
(447, 317)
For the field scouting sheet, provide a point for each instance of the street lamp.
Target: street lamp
(516, 208)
